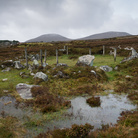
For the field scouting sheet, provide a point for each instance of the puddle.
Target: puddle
(79, 113)
(10, 107)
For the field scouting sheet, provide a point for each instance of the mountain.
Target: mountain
(57, 37)
(105, 35)
(49, 38)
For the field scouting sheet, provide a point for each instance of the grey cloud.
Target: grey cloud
(24, 19)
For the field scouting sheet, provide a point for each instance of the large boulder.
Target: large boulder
(24, 90)
(86, 60)
(106, 68)
(41, 75)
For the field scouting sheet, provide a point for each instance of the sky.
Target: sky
(26, 19)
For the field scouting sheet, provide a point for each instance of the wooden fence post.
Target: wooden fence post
(45, 57)
(90, 52)
(67, 50)
(103, 50)
(57, 55)
(41, 57)
(115, 52)
(26, 58)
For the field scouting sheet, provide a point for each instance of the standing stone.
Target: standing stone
(35, 63)
(26, 57)
(18, 65)
(86, 60)
(134, 52)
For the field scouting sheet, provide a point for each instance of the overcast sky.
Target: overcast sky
(25, 19)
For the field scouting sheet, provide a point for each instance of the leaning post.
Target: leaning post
(26, 58)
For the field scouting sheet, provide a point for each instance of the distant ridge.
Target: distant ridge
(57, 37)
(110, 34)
(49, 38)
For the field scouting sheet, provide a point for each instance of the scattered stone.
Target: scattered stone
(5, 91)
(41, 75)
(6, 70)
(128, 77)
(62, 64)
(35, 63)
(79, 71)
(8, 63)
(18, 65)
(30, 67)
(44, 65)
(32, 74)
(6, 79)
(24, 90)
(60, 74)
(110, 91)
(22, 73)
(92, 71)
(106, 68)
(86, 60)
(116, 68)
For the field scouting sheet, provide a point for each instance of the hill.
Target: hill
(49, 38)
(105, 35)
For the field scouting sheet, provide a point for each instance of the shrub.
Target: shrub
(94, 101)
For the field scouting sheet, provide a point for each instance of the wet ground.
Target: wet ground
(79, 113)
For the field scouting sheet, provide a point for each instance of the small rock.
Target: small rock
(61, 64)
(4, 79)
(106, 68)
(116, 68)
(5, 91)
(128, 77)
(92, 71)
(6, 70)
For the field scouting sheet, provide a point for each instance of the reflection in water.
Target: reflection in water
(79, 113)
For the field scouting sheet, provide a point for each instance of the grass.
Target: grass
(75, 84)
